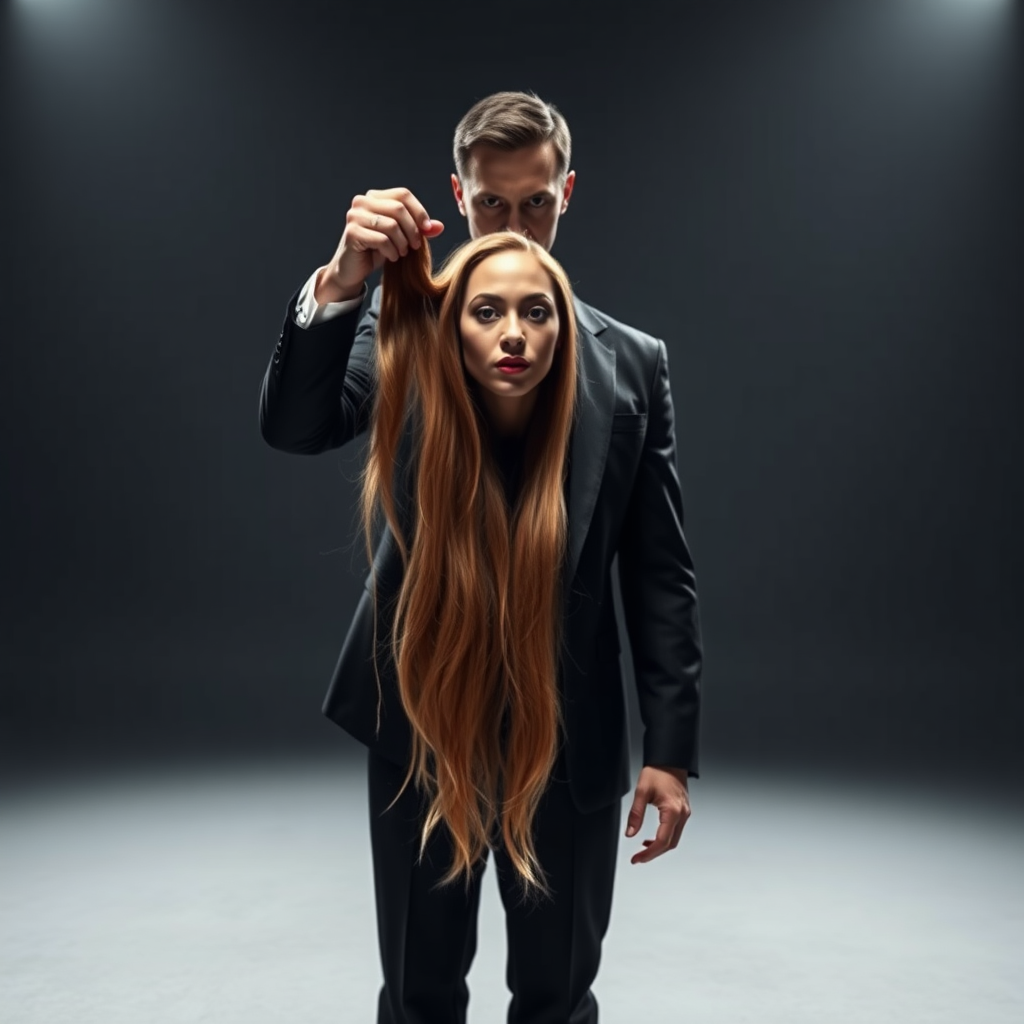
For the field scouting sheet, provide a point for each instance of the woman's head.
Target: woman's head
(478, 618)
(504, 296)
(510, 327)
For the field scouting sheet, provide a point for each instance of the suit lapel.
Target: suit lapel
(595, 400)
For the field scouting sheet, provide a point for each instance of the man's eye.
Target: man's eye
(537, 201)
(490, 202)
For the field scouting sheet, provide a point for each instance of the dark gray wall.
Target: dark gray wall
(814, 204)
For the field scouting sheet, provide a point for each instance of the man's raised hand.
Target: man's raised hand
(383, 224)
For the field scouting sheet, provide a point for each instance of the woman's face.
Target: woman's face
(509, 312)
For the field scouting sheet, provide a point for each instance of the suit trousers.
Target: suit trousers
(428, 938)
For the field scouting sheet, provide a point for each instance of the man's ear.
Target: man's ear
(457, 192)
(570, 181)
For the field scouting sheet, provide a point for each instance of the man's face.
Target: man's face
(515, 190)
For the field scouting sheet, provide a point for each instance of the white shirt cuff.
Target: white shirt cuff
(309, 313)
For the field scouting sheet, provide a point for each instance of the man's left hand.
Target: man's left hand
(666, 789)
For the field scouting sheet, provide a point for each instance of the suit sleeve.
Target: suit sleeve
(318, 388)
(309, 312)
(659, 593)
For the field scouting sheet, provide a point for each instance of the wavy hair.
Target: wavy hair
(478, 619)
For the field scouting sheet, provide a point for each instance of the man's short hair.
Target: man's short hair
(511, 120)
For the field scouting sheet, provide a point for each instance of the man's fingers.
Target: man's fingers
(666, 838)
(673, 812)
(635, 818)
(395, 213)
(365, 238)
(655, 847)
(404, 196)
(376, 229)
(406, 229)
(385, 225)
(663, 836)
(677, 833)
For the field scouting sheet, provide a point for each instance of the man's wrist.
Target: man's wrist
(325, 290)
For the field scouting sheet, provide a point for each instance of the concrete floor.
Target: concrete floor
(245, 895)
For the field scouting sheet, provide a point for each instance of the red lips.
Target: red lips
(513, 361)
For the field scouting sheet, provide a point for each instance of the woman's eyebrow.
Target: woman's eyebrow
(526, 298)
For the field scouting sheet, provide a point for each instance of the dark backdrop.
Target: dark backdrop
(814, 204)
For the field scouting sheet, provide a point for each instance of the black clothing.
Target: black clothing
(508, 453)
(623, 498)
(427, 938)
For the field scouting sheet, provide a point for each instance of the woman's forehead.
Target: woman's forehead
(511, 270)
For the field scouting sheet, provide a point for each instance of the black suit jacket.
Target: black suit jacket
(623, 495)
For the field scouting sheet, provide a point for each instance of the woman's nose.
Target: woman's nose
(514, 333)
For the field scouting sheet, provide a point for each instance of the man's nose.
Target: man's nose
(515, 223)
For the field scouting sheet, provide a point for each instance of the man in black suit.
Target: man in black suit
(512, 173)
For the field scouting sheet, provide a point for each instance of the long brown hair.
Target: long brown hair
(478, 620)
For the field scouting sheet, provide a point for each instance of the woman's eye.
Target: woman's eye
(543, 314)
(483, 314)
